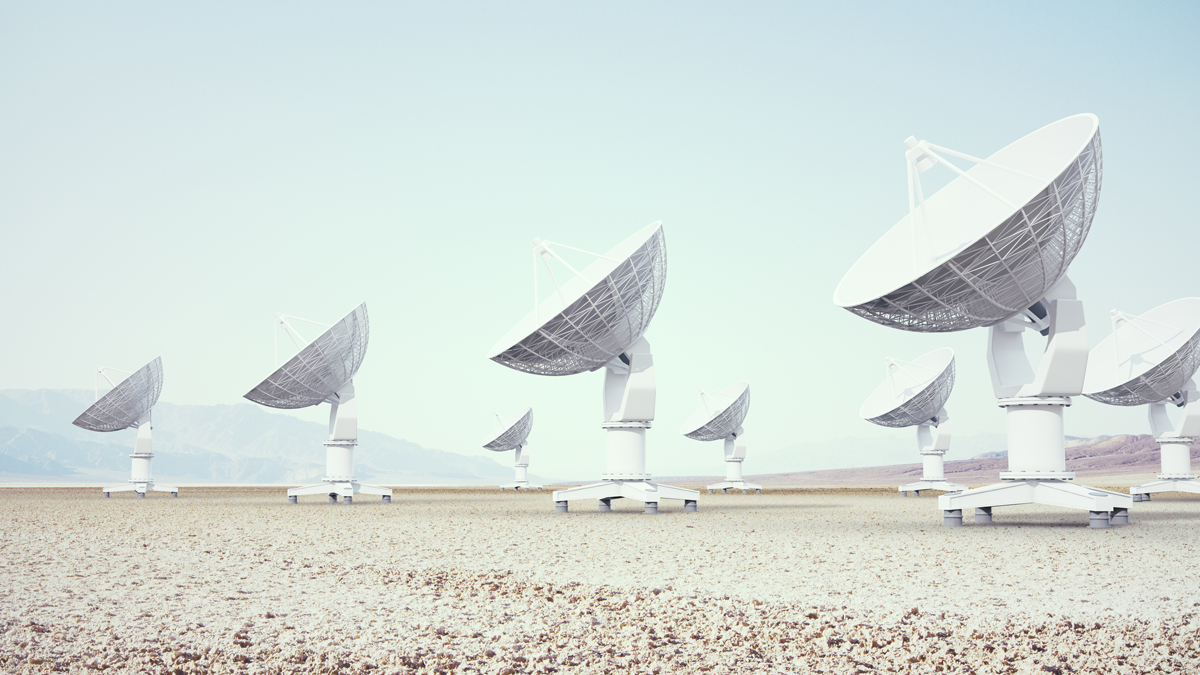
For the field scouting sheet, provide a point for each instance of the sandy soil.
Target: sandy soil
(470, 580)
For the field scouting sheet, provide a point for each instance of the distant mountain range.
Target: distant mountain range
(208, 444)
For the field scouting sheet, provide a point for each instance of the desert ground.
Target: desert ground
(473, 580)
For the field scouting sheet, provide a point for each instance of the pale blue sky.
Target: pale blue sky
(171, 175)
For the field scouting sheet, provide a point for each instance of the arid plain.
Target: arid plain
(478, 581)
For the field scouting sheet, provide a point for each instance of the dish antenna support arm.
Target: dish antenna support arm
(339, 480)
(933, 440)
(141, 480)
(629, 401)
(1175, 444)
(1034, 402)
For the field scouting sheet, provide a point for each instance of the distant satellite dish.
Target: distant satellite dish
(915, 394)
(1152, 359)
(512, 433)
(597, 319)
(720, 417)
(126, 405)
(323, 371)
(992, 248)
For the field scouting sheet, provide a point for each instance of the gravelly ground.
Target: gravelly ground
(845, 581)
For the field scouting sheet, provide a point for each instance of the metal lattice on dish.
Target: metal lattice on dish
(514, 435)
(726, 421)
(603, 321)
(928, 395)
(127, 402)
(991, 278)
(317, 371)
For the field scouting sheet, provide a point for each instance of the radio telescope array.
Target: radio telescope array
(720, 417)
(1152, 359)
(323, 372)
(128, 404)
(597, 319)
(512, 433)
(915, 394)
(992, 249)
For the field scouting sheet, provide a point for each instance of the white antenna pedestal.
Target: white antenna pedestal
(521, 470)
(629, 393)
(933, 440)
(1034, 404)
(735, 454)
(340, 480)
(140, 480)
(1175, 446)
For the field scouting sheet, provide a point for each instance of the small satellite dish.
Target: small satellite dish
(915, 394)
(1152, 359)
(323, 371)
(597, 319)
(720, 417)
(512, 433)
(128, 404)
(992, 248)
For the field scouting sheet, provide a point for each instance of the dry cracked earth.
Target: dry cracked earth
(477, 581)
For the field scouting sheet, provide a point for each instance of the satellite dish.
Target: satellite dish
(512, 433)
(992, 248)
(720, 417)
(323, 371)
(128, 404)
(597, 319)
(1152, 359)
(915, 394)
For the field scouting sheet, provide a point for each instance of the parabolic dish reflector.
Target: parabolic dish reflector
(914, 392)
(596, 316)
(127, 402)
(1147, 358)
(513, 435)
(722, 418)
(320, 369)
(990, 262)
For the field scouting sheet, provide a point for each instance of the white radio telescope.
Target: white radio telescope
(991, 249)
(323, 372)
(1152, 359)
(915, 394)
(512, 433)
(720, 417)
(594, 320)
(128, 404)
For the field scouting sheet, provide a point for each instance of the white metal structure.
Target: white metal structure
(720, 417)
(1152, 359)
(596, 319)
(992, 249)
(512, 433)
(915, 394)
(323, 372)
(128, 404)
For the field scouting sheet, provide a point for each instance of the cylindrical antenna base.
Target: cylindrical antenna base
(733, 470)
(339, 461)
(933, 468)
(1035, 438)
(1176, 456)
(626, 451)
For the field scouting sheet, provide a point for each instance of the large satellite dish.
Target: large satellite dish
(719, 417)
(128, 404)
(992, 248)
(512, 433)
(914, 395)
(323, 371)
(1152, 359)
(597, 319)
